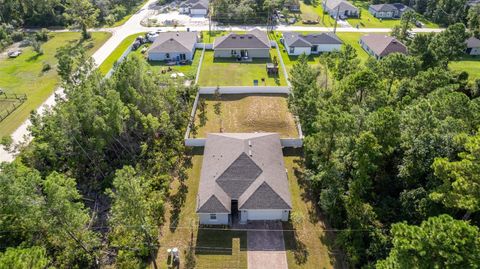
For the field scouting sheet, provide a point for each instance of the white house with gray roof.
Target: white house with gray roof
(195, 7)
(173, 46)
(253, 44)
(243, 178)
(388, 11)
(314, 43)
(473, 46)
(341, 7)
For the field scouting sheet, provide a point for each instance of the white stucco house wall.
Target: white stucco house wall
(173, 46)
(314, 43)
(243, 179)
(473, 46)
(341, 7)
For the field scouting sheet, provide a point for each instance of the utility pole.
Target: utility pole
(336, 20)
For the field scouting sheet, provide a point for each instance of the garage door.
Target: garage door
(198, 11)
(265, 215)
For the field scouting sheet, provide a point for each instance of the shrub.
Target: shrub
(37, 46)
(46, 67)
(18, 36)
(42, 35)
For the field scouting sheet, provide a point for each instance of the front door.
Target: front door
(244, 53)
(234, 210)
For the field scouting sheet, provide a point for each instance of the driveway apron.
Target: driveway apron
(265, 246)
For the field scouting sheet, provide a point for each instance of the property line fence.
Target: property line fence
(15, 101)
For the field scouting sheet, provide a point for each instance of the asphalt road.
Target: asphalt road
(133, 25)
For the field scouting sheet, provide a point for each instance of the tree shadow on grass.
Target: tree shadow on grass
(218, 241)
(293, 243)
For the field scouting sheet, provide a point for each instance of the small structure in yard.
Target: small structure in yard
(176, 47)
(380, 46)
(243, 177)
(388, 11)
(272, 69)
(340, 9)
(14, 54)
(473, 46)
(253, 44)
(194, 7)
(314, 43)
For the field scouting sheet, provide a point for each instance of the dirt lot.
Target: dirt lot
(246, 113)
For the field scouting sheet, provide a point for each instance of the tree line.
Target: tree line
(89, 190)
(391, 148)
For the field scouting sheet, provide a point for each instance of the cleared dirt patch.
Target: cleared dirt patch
(245, 113)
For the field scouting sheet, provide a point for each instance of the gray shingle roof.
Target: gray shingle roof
(170, 42)
(293, 39)
(384, 8)
(344, 5)
(247, 167)
(382, 45)
(254, 39)
(473, 42)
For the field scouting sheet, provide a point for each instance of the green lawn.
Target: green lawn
(352, 39)
(113, 57)
(210, 248)
(128, 16)
(470, 64)
(229, 72)
(23, 75)
(314, 12)
(246, 114)
(367, 20)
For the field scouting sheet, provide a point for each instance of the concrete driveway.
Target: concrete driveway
(265, 246)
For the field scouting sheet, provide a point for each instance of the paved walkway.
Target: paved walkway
(265, 246)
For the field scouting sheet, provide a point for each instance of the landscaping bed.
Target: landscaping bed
(245, 114)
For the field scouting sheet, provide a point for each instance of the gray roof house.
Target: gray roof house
(243, 178)
(341, 7)
(253, 44)
(195, 7)
(173, 46)
(473, 46)
(388, 11)
(314, 43)
(380, 46)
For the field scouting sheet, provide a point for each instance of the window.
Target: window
(292, 49)
(234, 52)
(167, 55)
(213, 216)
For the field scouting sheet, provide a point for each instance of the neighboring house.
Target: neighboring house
(253, 44)
(243, 178)
(194, 7)
(342, 7)
(297, 44)
(173, 46)
(388, 11)
(292, 5)
(473, 46)
(380, 46)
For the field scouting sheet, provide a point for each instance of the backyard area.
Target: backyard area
(25, 75)
(229, 72)
(470, 64)
(246, 113)
(314, 12)
(199, 248)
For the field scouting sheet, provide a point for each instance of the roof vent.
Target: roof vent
(241, 37)
(249, 143)
(250, 37)
(250, 153)
(234, 37)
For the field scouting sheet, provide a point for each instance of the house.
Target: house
(195, 7)
(473, 46)
(341, 8)
(243, 178)
(388, 11)
(315, 43)
(173, 46)
(253, 44)
(380, 46)
(292, 5)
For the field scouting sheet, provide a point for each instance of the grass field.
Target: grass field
(470, 64)
(113, 57)
(23, 75)
(208, 248)
(248, 113)
(229, 72)
(314, 12)
(352, 39)
(308, 245)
